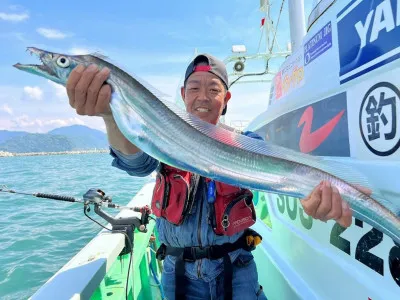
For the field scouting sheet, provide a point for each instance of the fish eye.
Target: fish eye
(63, 62)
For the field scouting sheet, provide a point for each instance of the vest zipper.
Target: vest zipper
(230, 205)
(199, 237)
(225, 218)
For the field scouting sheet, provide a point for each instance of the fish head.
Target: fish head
(55, 67)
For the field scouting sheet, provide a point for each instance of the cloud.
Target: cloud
(6, 108)
(59, 90)
(14, 17)
(33, 92)
(24, 122)
(64, 122)
(84, 50)
(52, 33)
(80, 51)
(93, 122)
(102, 127)
(34, 116)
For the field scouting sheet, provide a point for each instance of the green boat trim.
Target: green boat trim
(98, 271)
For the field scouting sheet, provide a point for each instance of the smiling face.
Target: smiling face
(205, 96)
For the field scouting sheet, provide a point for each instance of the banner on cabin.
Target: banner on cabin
(318, 129)
(368, 36)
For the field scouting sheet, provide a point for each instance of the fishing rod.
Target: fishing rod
(92, 196)
(97, 198)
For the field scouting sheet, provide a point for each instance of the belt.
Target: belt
(248, 241)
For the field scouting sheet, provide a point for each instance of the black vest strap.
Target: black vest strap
(191, 254)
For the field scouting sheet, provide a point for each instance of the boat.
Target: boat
(335, 95)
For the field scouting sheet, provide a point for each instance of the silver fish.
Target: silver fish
(182, 140)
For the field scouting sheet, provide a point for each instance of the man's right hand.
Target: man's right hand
(87, 92)
(89, 95)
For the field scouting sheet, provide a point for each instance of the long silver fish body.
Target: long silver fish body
(182, 140)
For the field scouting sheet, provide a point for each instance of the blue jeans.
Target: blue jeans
(245, 282)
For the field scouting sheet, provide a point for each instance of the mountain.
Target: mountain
(83, 137)
(76, 137)
(37, 142)
(6, 135)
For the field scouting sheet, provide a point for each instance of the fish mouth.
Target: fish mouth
(41, 54)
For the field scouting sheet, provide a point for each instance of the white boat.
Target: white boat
(335, 95)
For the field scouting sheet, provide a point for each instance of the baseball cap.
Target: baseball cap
(214, 66)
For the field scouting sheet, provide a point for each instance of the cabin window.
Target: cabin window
(319, 7)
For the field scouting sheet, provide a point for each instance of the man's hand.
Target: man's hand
(89, 95)
(87, 92)
(325, 203)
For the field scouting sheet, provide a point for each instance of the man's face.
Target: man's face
(205, 96)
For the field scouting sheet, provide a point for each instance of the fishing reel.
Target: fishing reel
(96, 196)
(99, 199)
(125, 225)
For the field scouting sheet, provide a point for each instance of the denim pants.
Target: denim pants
(245, 283)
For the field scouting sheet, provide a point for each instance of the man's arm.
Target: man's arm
(89, 95)
(139, 164)
(127, 157)
(116, 139)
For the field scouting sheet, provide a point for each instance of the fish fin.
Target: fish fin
(226, 136)
(100, 55)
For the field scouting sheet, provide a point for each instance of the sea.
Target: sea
(38, 236)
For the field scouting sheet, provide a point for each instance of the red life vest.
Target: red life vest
(174, 195)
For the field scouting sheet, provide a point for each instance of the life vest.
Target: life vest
(232, 208)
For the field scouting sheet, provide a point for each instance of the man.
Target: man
(186, 271)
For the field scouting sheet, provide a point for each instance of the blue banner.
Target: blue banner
(368, 36)
(318, 44)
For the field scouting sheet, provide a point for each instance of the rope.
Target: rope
(277, 24)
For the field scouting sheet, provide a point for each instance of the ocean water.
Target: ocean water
(38, 236)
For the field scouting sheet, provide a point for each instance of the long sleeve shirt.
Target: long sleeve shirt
(195, 230)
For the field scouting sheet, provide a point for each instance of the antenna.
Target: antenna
(240, 57)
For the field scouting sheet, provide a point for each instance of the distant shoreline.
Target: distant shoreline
(12, 154)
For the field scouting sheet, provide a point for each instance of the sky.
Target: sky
(152, 39)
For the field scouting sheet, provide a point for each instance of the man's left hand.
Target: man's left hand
(325, 203)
